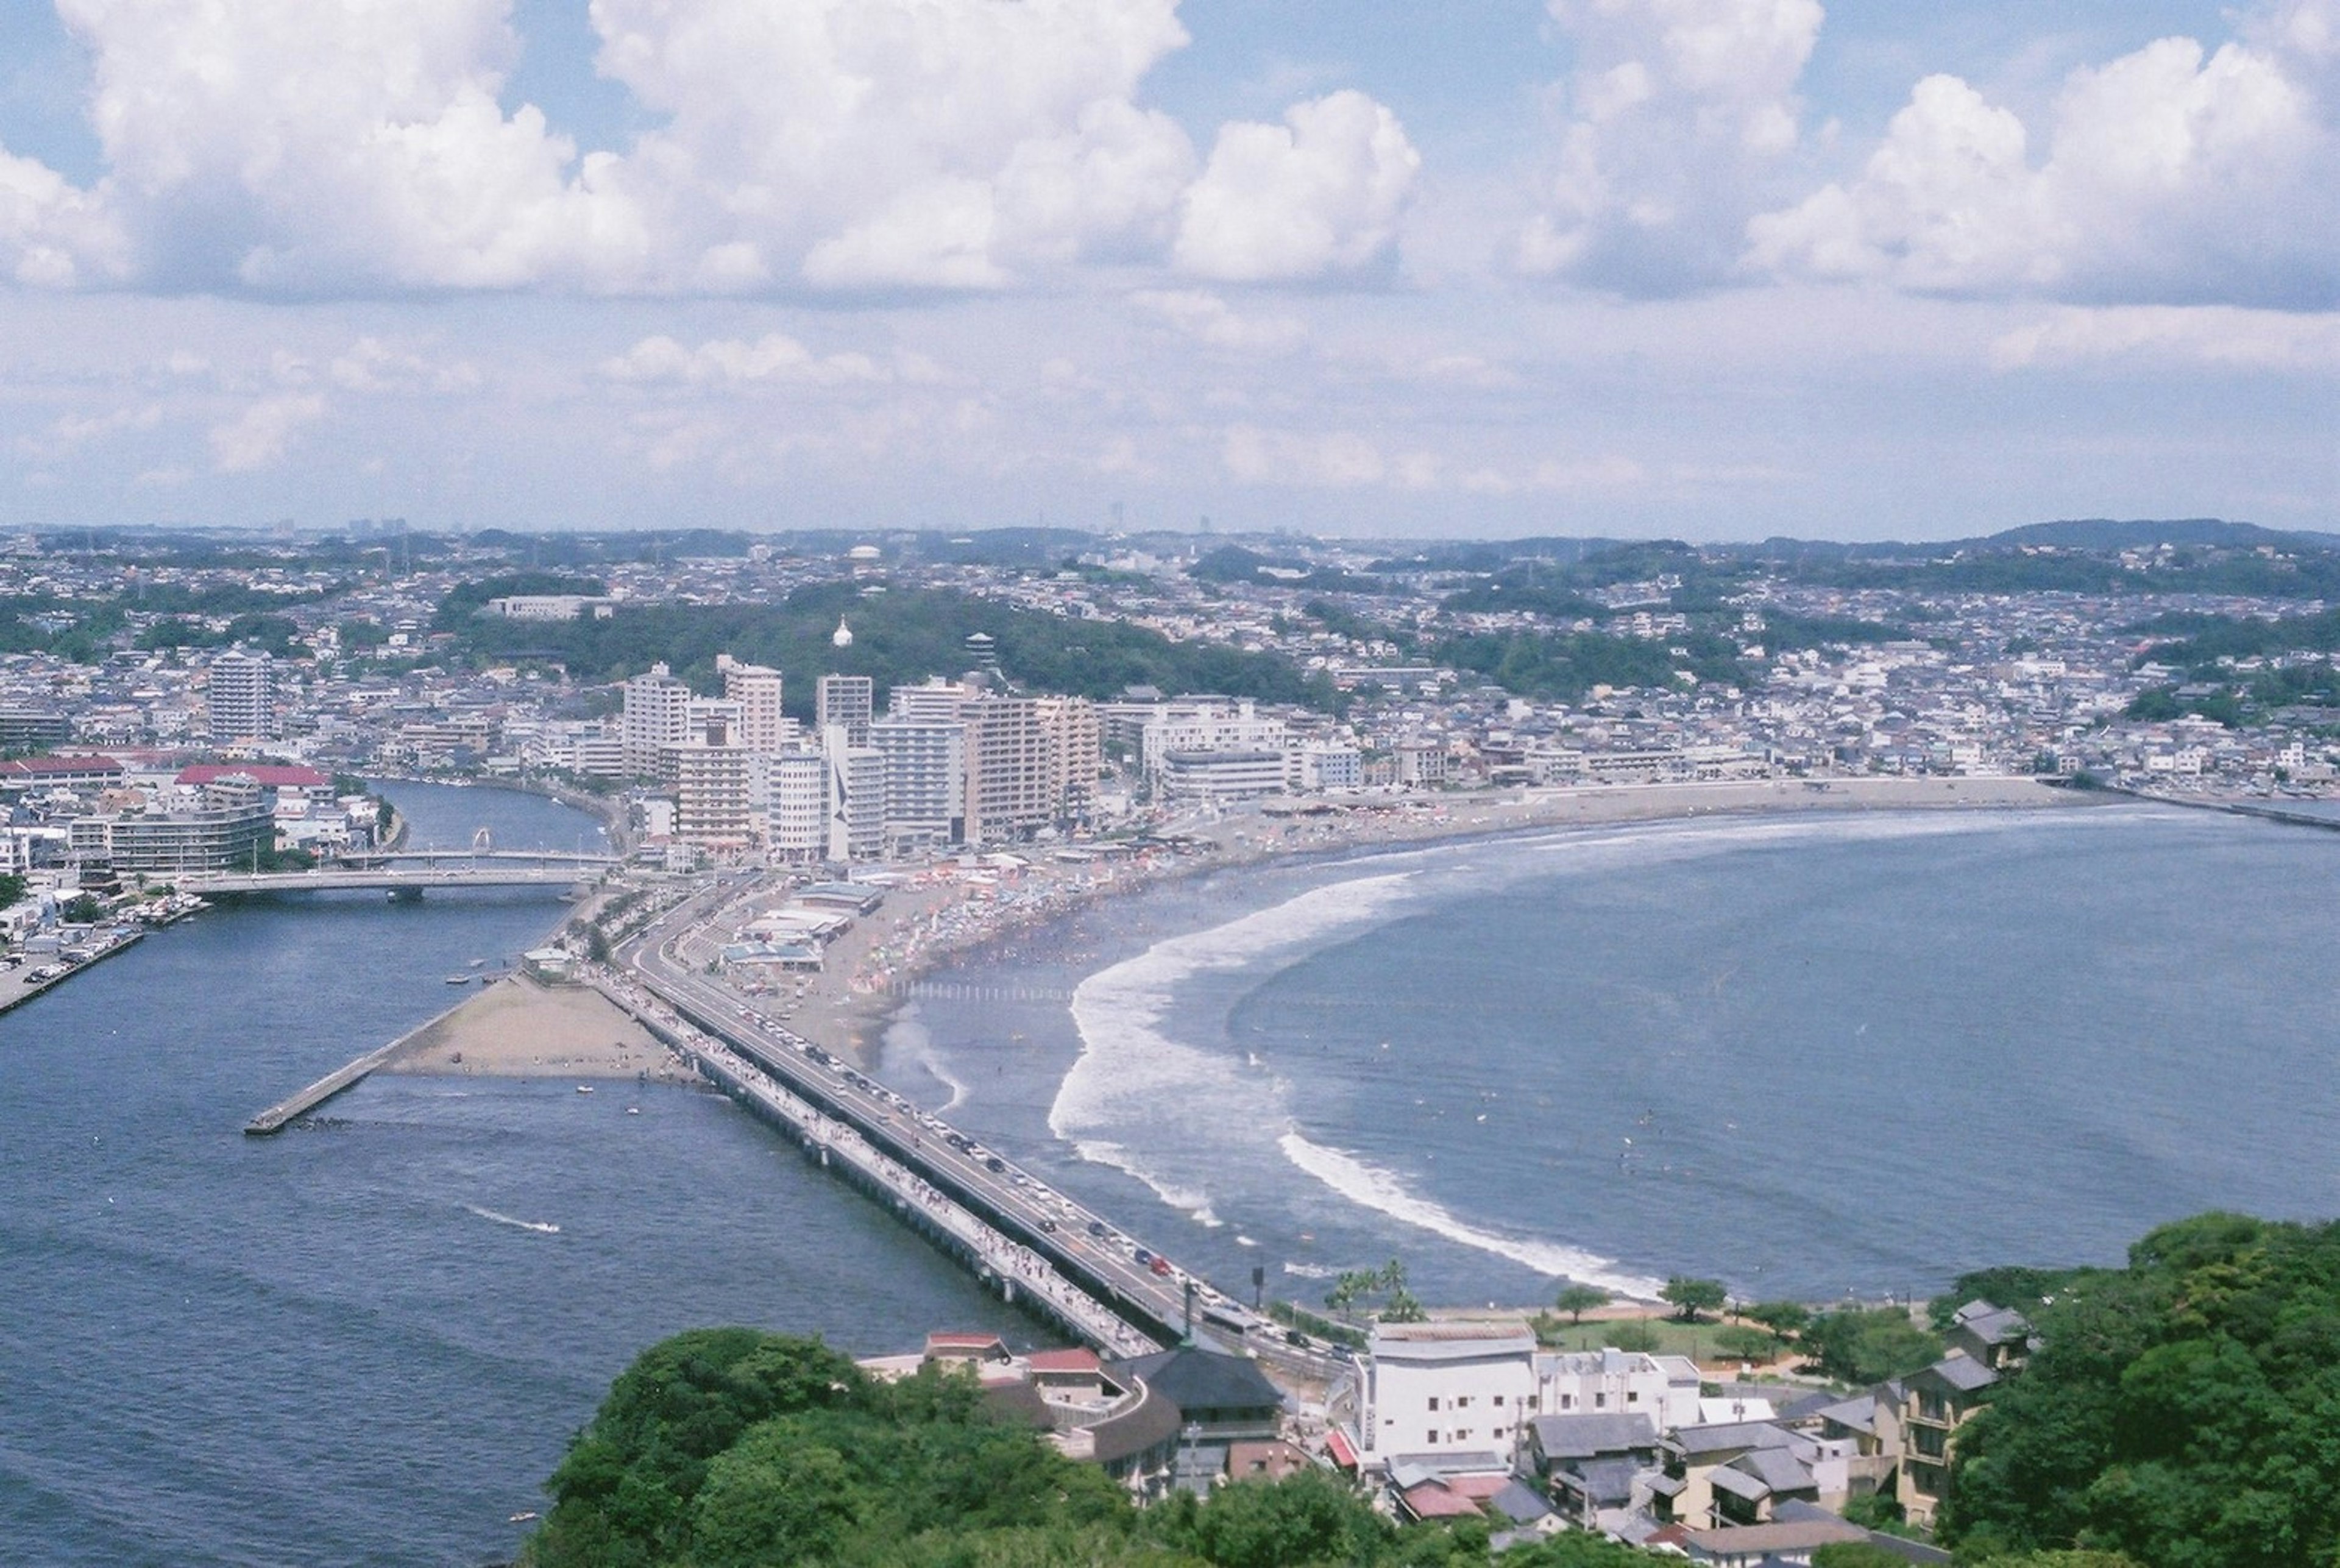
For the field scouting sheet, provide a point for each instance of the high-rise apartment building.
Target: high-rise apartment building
(797, 816)
(924, 762)
(1008, 770)
(713, 798)
(1076, 752)
(857, 797)
(756, 687)
(846, 701)
(936, 700)
(657, 715)
(242, 697)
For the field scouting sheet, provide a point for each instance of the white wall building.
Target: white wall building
(656, 715)
(925, 763)
(1618, 1381)
(241, 699)
(1207, 724)
(1444, 1389)
(797, 815)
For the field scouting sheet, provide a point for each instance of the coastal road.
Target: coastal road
(1125, 1275)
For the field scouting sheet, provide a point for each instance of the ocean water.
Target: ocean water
(365, 1344)
(1813, 1056)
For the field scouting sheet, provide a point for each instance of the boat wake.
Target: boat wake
(542, 1226)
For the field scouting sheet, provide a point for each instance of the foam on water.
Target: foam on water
(1132, 1077)
(1385, 1192)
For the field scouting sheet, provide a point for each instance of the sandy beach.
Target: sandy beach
(518, 1027)
(932, 913)
(952, 909)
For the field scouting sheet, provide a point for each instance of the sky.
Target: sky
(1708, 268)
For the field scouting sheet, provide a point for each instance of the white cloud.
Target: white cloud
(305, 145)
(51, 235)
(884, 142)
(1206, 318)
(261, 433)
(2168, 175)
(775, 358)
(340, 147)
(1319, 193)
(373, 366)
(1679, 116)
(1338, 459)
(2213, 335)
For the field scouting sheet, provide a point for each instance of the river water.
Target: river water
(348, 1346)
(1814, 1056)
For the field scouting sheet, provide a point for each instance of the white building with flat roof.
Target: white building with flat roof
(1438, 1391)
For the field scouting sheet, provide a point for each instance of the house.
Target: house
(1935, 1403)
(1224, 1399)
(1999, 1338)
(1598, 1467)
(1736, 1473)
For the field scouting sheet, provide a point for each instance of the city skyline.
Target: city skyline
(1710, 268)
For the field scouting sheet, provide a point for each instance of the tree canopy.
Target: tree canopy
(730, 1448)
(2182, 1411)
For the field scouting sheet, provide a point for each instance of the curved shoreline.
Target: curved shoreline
(851, 1010)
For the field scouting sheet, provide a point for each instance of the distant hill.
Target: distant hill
(2105, 533)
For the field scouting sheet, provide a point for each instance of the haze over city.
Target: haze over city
(1706, 268)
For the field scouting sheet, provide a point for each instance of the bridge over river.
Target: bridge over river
(411, 872)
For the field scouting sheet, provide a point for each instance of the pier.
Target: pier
(285, 1112)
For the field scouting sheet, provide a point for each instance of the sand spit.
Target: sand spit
(521, 1028)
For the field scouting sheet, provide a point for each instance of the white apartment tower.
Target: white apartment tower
(937, 699)
(657, 715)
(924, 762)
(856, 798)
(797, 818)
(847, 701)
(242, 697)
(756, 687)
(713, 795)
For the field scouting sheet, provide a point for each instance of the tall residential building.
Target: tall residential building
(242, 700)
(756, 687)
(846, 700)
(657, 715)
(925, 779)
(1009, 771)
(857, 797)
(713, 798)
(797, 817)
(936, 700)
(1076, 752)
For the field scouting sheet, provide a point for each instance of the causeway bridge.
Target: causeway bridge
(409, 873)
(1038, 1246)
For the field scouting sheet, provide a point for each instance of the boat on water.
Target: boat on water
(584, 1088)
(458, 979)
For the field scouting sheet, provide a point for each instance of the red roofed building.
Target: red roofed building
(60, 773)
(267, 775)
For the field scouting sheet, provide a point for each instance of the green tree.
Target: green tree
(12, 887)
(1576, 1300)
(1309, 1517)
(1690, 1297)
(1785, 1319)
(1634, 1334)
(83, 909)
(1743, 1342)
(2178, 1411)
(1869, 1345)
(774, 1499)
